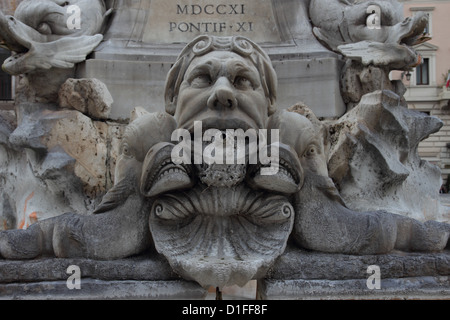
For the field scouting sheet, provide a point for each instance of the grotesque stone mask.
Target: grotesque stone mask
(231, 225)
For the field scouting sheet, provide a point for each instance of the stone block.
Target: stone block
(104, 290)
(303, 275)
(89, 96)
(419, 288)
(144, 277)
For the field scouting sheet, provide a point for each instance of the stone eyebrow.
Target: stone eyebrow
(241, 69)
(210, 67)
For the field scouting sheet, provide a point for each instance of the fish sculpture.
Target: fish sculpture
(41, 35)
(373, 32)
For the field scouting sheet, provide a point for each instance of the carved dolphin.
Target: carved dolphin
(49, 17)
(347, 20)
(39, 38)
(326, 224)
(139, 137)
(342, 26)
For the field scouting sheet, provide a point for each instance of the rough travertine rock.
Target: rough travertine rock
(89, 96)
(374, 159)
(90, 143)
(55, 161)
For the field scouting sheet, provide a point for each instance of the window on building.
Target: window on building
(5, 79)
(429, 12)
(423, 73)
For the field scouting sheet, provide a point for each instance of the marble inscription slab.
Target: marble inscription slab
(174, 21)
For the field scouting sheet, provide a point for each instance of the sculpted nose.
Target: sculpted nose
(222, 95)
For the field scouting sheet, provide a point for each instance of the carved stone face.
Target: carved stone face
(223, 90)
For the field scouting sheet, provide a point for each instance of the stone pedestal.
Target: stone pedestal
(104, 290)
(297, 275)
(415, 288)
(144, 277)
(302, 275)
(140, 48)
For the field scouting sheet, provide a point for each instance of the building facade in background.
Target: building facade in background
(427, 91)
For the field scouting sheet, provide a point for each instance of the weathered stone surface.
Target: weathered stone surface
(104, 290)
(89, 96)
(416, 288)
(55, 161)
(229, 199)
(31, 186)
(299, 59)
(39, 37)
(374, 159)
(373, 32)
(297, 274)
(305, 275)
(306, 265)
(373, 38)
(90, 143)
(183, 22)
(149, 267)
(216, 223)
(45, 47)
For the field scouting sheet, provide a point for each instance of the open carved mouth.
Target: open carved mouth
(287, 180)
(414, 30)
(218, 123)
(160, 174)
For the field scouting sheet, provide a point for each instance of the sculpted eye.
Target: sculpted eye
(126, 151)
(311, 151)
(44, 28)
(242, 83)
(201, 81)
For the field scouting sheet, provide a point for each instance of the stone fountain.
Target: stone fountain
(159, 149)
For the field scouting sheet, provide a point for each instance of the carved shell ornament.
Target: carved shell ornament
(221, 236)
